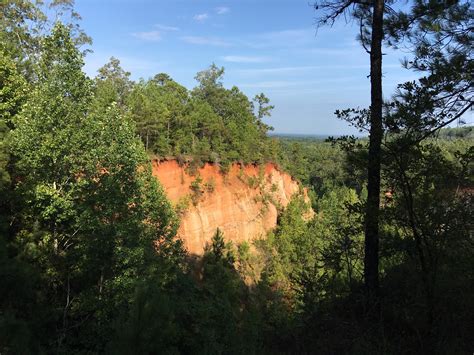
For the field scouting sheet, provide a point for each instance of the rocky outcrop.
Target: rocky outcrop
(243, 203)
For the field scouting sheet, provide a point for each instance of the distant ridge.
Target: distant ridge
(299, 135)
(466, 132)
(307, 136)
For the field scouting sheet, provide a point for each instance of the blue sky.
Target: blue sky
(269, 46)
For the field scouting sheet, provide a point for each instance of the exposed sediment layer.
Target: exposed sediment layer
(243, 203)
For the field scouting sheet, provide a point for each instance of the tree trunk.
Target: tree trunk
(371, 260)
(146, 145)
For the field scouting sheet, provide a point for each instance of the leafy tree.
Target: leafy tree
(210, 87)
(209, 313)
(112, 84)
(439, 36)
(13, 93)
(320, 165)
(147, 110)
(263, 107)
(224, 295)
(91, 212)
(160, 111)
(19, 30)
(13, 90)
(430, 208)
(24, 23)
(263, 110)
(162, 78)
(322, 257)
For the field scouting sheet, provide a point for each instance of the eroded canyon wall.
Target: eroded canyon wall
(243, 203)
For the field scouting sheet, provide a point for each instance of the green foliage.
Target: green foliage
(263, 106)
(182, 205)
(219, 251)
(90, 210)
(314, 257)
(440, 37)
(457, 133)
(13, 94)
(432, 213)
(212, 315)
(320, 165)
(210, 185)
(317, 266)
(13, 89)
(4, 158)
(252, 181)
(209, 123)
(197, 190)
(112, 84)
(24, 23)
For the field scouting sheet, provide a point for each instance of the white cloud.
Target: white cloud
(210, 41)
(284, 38)
(221, 10)
(244, 59)
(139, 66)
(166, 28)
(201, 17)
(153, 36)
(281, 70)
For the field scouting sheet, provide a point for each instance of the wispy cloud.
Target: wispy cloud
(152, 36)
(335, 51)
(276, 84)
(324, 74)
(221, 10)
(283, 38)
(209, 41)
(139, 66)
(155, 35)
(305, 68)
(281, 70)
(201, 17)
(244, 59)
(166, 28)
(269, 84)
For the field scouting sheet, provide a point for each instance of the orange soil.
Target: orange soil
(243, 203)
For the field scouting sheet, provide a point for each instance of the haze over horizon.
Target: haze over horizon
(274, 48)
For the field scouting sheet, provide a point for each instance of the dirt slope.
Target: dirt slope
(243, 203)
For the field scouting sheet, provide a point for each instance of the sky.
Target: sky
(269, 46)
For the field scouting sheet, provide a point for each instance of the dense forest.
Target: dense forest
(208, 123)
(89, 258)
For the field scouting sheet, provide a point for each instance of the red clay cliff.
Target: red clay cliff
(243, 203)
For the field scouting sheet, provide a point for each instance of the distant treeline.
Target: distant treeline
(457, 132)
(466, 132)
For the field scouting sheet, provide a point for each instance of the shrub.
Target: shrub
(210, 185)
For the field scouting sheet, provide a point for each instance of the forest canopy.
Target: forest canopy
(208, 123)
